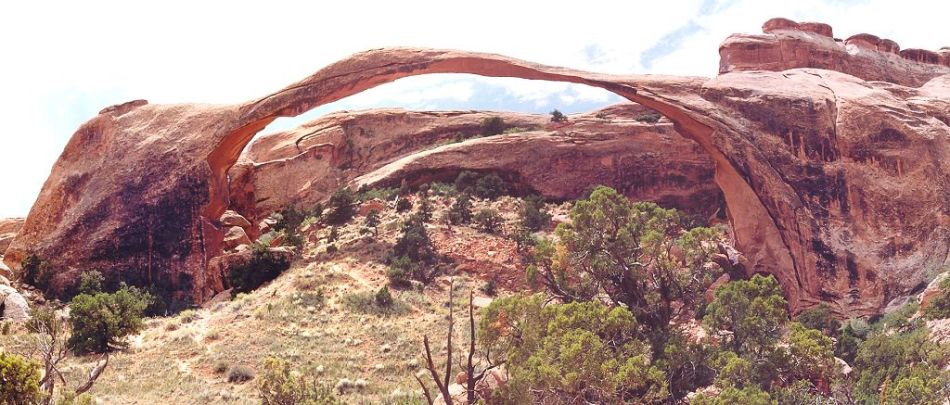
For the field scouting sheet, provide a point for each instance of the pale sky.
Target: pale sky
(63, 61)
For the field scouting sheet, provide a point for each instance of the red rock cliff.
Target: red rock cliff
(836, 185)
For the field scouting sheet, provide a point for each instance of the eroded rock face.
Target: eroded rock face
(786, 44)
(616, 146)
(8, 230)
(836, 185)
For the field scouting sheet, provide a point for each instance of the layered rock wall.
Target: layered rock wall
(616, 146)
(786, 44)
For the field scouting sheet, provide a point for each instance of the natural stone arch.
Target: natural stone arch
(677, 98)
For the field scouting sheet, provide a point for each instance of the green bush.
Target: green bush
(939, 305)
(240, 374)
(342, 207)
(465, 182)
(280, 385)
(532, 214)
(403, 204)
(19, 380)
(413, 256)
(490, 187)
(101, 321)
(36, 272)
(371, 223)
(425, 208)
(90, 282)
(751, 312)
(366, 302)
(489, 220)
(888, 357)
(383, 297)
(558, 352)
(263, 266)
(461, 211)
(558, 116)
(492, 126)
(819, 317)
(289, 219)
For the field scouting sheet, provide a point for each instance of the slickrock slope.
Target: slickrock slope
(647, 161)
(836, 185)
(786, 44)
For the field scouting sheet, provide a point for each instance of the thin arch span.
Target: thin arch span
(677, 98)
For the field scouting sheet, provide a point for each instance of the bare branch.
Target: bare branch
(94, 375)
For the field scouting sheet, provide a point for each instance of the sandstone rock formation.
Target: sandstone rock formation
(8, 229)
(835, 184)
(617, 146)
(786, 44)
(12, 305)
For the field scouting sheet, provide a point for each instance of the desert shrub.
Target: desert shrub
(490, 287)
(442, 189)
(403, 204)
(90, 282)
(280, 385)
(751, 395)
(492, 126)
(220, 367)
(36, 272)
(819, 317)
(383, 297)
(101, 321)
(939, 305)
(490, 187)
(289, 219)
(342, 207)
(601, 115)
(651, 118)
(264, 266)
(19, 380)
(365, 193)
(240, 374)
(489, 220)
(900, 318)
(425, 208)
(532, 214)
(558, 352)
(750, 313)
(558, 116)
(413, 256)
(366, 303)
(465, 181)
(371, 223)
(888, 357)
(595, 254)
(461, 210)
(188, 316)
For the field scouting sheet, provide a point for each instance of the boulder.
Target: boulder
(371, 205)
(14, 305)
(231, 218)
(4, 270)
(223, 264)
(235, 237)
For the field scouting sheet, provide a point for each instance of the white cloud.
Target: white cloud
(64, 60)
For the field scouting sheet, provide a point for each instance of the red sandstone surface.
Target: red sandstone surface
(832, 158)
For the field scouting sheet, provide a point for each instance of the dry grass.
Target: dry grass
(317, 315)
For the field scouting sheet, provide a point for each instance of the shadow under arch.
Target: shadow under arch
(757, 229)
